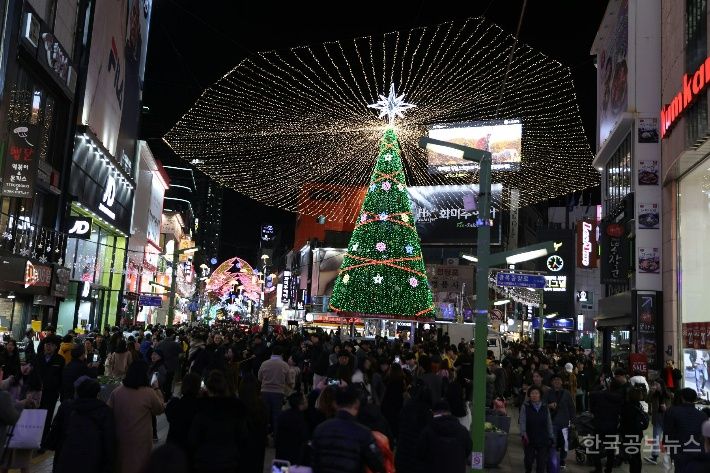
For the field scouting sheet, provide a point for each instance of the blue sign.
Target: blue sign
(520, 280)
(554, 324)
(150, 300)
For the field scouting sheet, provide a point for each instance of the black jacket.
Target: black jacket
(681, 424)
(12, 365)
(51, 373)
(73, 371)
(606, 407)
(413, 418)
(694, 463)
(444, 445)
(198, 362)
(83, 437)
(291, 436)
(341, 445)
(180, 412)
(217, 434)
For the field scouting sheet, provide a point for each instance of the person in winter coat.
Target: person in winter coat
(659, 400)
(83, 434)
(119, 360)
(197, 358)
(256, 423)
(49, 365)
(700, 462)
(181, 411)
(218, 431)
(561, 405)
(632, 425)
(413, 418)
(341, 444)
(291, 436)
(65, 348)
(133, 404)
(445, 444)
(536, 431)
(12, 361)
(75, 369)
(606, 406)
(682, 428)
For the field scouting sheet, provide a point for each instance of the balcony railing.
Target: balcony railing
(19, 236)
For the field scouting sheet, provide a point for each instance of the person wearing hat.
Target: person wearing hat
(83, 434)
(444, 444)
(569, 381)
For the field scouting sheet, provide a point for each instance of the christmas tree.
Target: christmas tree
(383, 273)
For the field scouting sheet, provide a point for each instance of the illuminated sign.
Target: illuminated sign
(108, 197)
(78, 227)
(285, 287)
(555, 283)
(555, 263)
(586, 244)
(580, 322)
(37, 275)
(502, 137)
(582, 296)
(691, 88)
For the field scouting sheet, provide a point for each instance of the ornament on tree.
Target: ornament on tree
(403, 264)
(373, 187)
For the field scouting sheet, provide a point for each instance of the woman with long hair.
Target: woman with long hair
(134, 403)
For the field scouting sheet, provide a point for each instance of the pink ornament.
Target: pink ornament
(386, 186)
(414, 282)
(363, 218)
(381, 246)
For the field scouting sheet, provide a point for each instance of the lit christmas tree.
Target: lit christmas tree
(383, 273)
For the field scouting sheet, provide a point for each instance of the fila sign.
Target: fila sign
(692, 86)
(78, 227)
(586, 244)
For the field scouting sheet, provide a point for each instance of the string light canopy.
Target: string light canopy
(284, 121)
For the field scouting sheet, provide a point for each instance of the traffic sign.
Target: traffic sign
(533, 281)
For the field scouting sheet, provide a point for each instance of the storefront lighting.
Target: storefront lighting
(502, 302)
(551, 316)
(470, 258)
(11, 295)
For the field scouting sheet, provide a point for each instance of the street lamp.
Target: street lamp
(484, 260)
(173, 279)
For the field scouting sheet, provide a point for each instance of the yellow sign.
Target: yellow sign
(37, 326)
(185, 243)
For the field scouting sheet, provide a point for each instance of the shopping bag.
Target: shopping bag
(27, 432)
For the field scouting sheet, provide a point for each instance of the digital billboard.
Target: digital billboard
(503, 138)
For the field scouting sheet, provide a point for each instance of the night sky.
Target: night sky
(194, 43)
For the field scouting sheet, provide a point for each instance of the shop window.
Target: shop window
(618, 175)
(696, 33)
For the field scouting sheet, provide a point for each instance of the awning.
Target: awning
(615, 311)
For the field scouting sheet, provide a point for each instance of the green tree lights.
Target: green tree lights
(383, 273)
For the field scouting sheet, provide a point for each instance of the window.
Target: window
(618, 175)
(696, 51)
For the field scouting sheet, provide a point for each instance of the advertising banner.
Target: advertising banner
(448, 215)
(155, 211)
(20, 170)
(448, 283)
(646, 308)
(612, 74)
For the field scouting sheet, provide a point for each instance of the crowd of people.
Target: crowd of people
(336, 405)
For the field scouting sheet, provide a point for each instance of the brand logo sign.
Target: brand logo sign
(692, 87)
(586, 244)
(109, 197)
(78, 227)
(37, 275)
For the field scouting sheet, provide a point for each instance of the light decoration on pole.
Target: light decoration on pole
(282, 120)
(383, 273)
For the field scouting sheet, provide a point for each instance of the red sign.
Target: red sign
(639, 362)
(587, 244)
(37, 275)
(691, 88)
(615, 230)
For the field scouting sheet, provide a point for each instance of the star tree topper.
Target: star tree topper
(392, 105)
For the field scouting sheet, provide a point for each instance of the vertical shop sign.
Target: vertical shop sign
(20, 170)
(647, 318)
(586, 244)
(614, 254)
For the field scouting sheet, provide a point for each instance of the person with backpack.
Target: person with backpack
(83, 434)
(634, 421)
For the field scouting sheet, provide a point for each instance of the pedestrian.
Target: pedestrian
(659, 402)
(29, 342)
(180, 411)
(65, 348)
(682, 428)
(605, 404)
(291, 438)
(700, 462)
(171, 350)
(133, 404)
(167, 459)
(393, 399)
(561, 405)
(119, 360)
(198, 359)
(273, 375)
(218, 432)
(83, 434)
(256, 422)
(75, 369)
(49, 366)
(536, 431)
(444, 445)
(12, 363)
(341, 444)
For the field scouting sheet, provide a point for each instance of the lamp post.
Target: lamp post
(485, 261)
(173, 280)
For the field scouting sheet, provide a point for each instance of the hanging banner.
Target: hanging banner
(614, 254)
(20, 170)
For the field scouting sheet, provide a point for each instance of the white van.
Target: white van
(495, 344)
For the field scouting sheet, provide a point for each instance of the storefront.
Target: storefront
(98, 226)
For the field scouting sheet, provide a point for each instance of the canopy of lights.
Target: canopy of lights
(293, 129)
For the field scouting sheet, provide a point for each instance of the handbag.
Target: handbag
(27, 431)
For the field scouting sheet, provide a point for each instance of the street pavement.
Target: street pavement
(512, 462)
